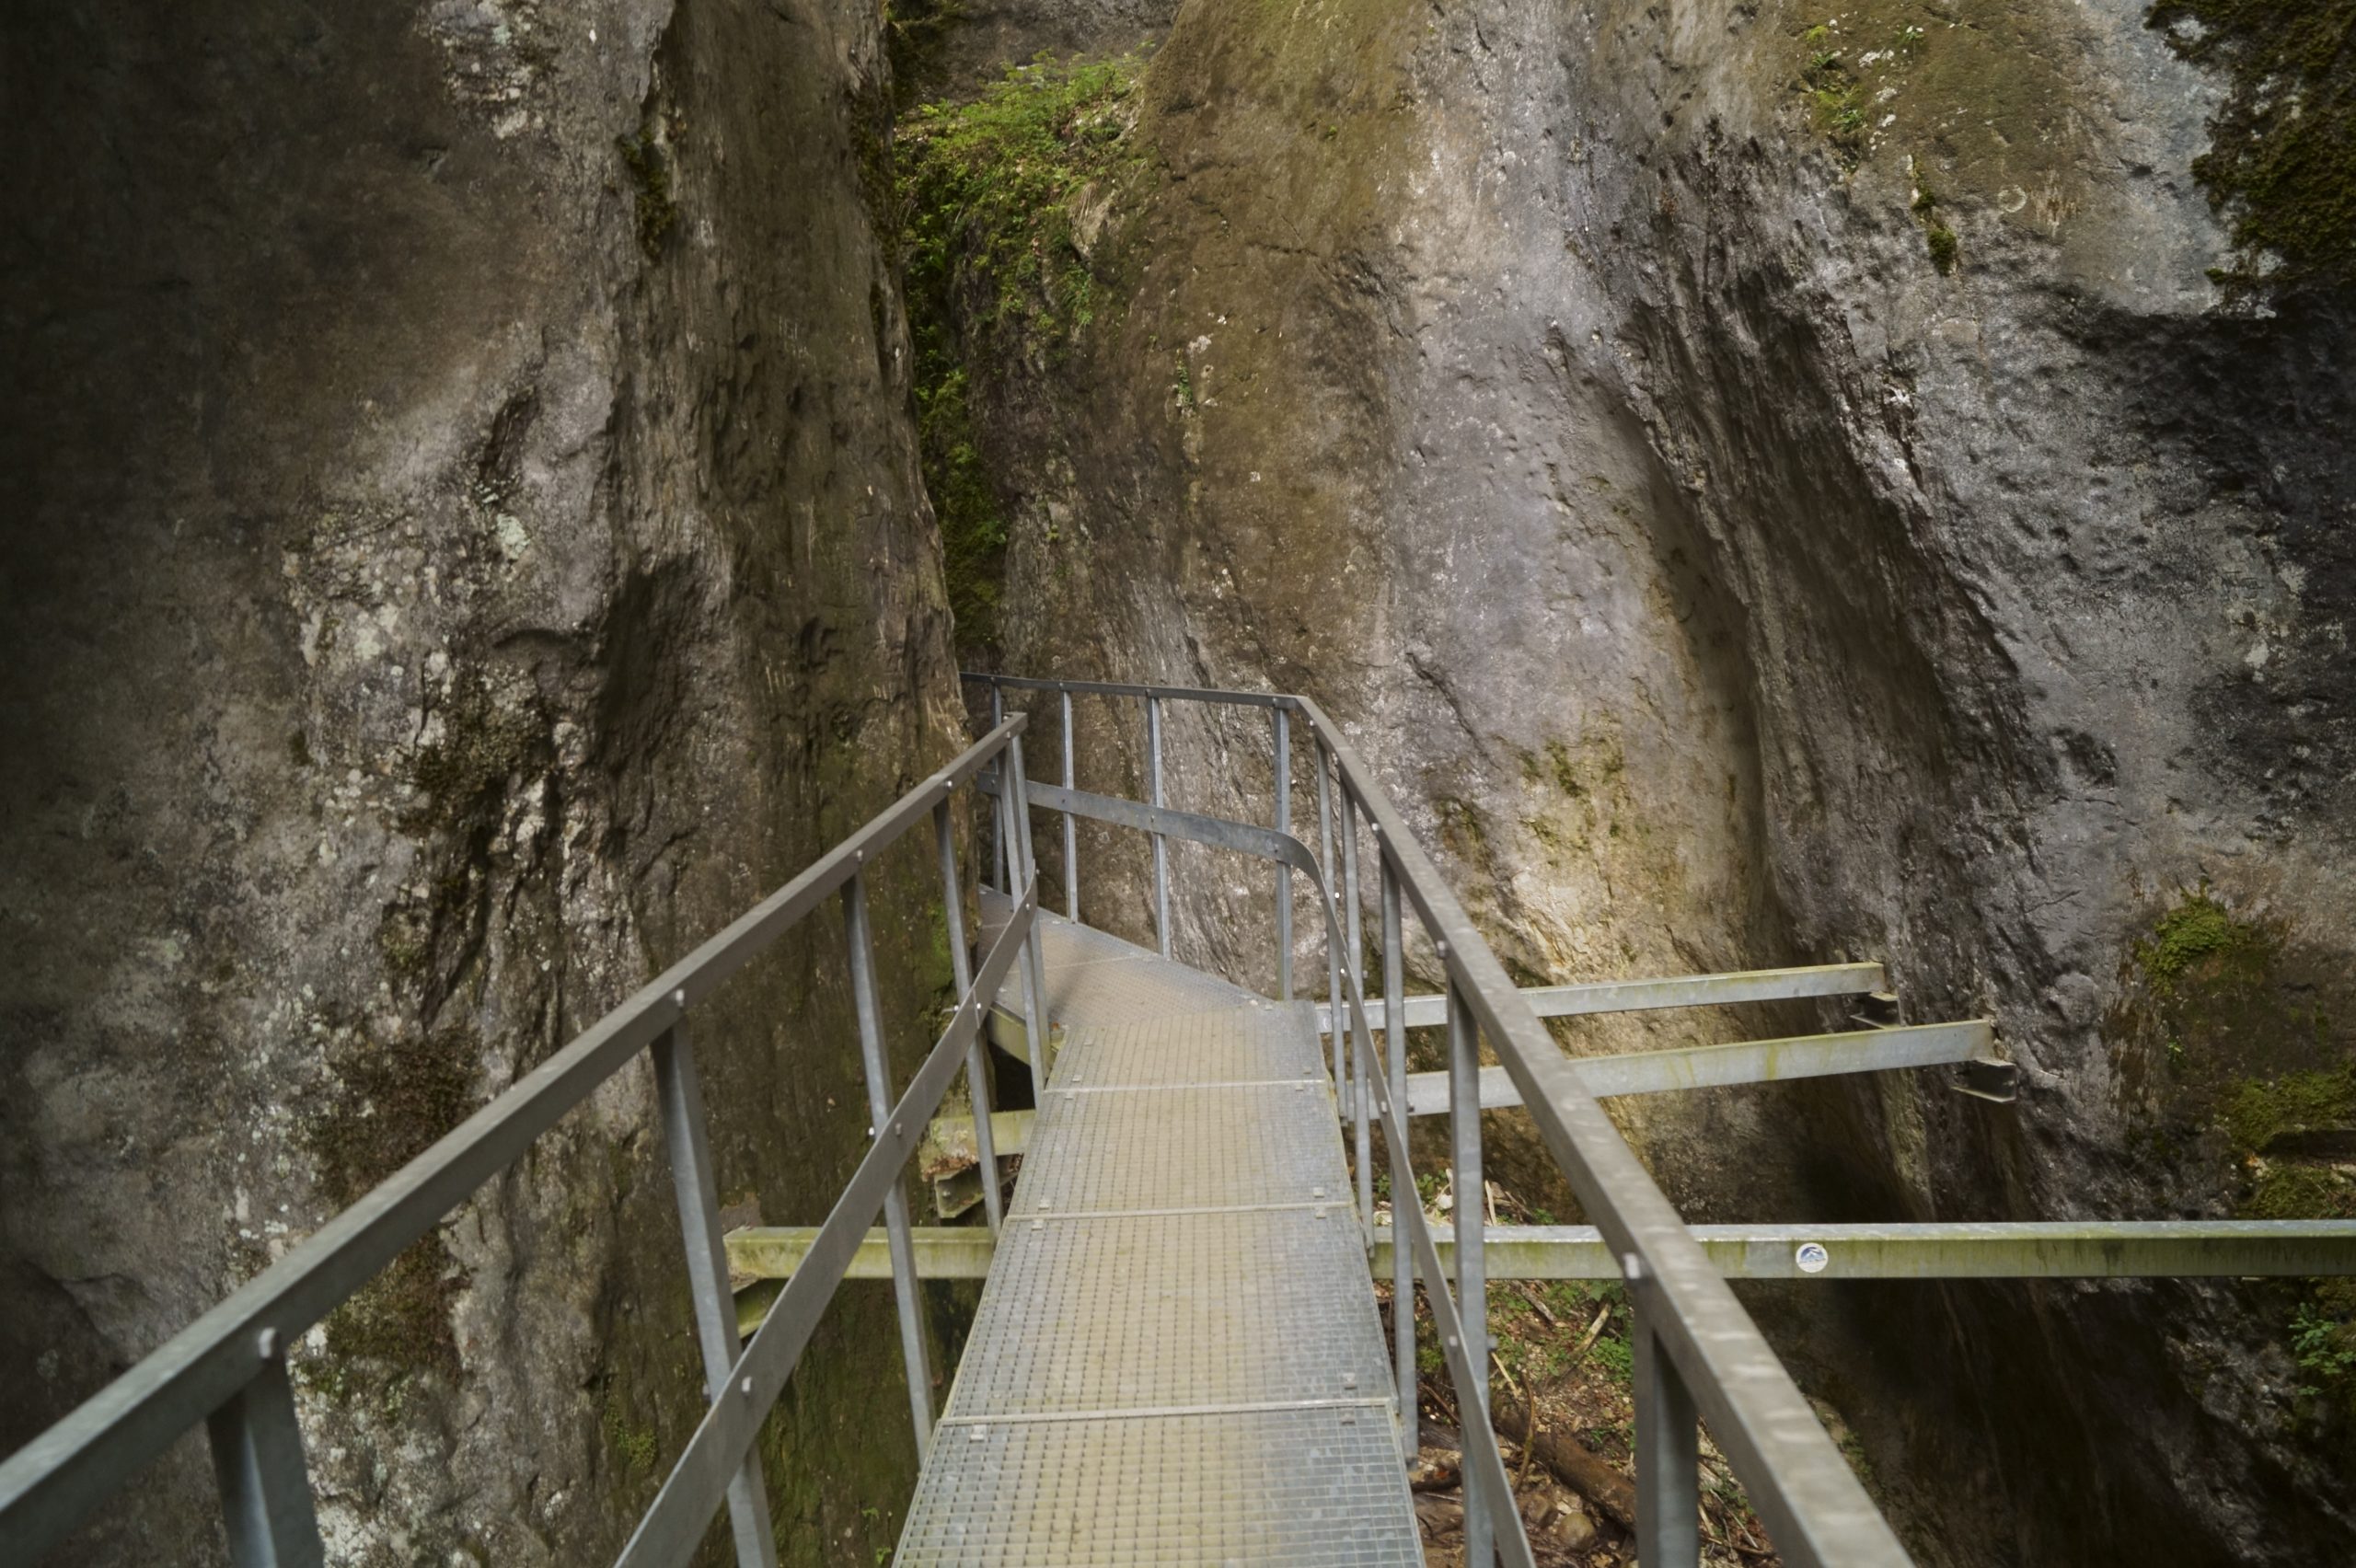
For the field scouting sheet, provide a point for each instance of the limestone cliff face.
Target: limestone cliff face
(464, 545)
(1773, 489)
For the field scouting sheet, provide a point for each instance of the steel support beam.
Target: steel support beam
(2063, 1248)
(1645, 995)
(2068, 1248)
(1751, 1061)
(950, 1140)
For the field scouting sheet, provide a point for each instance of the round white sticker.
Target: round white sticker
(1812, 1257)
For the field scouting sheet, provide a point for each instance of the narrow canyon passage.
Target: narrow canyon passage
(497, 488)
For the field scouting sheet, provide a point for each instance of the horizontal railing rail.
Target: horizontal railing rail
(227, 1368)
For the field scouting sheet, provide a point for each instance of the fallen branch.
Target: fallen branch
(1572, 1462)
(1602, 1317)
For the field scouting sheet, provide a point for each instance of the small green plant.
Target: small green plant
(2324, 1347)
(1941, 242)
(1616, 1357)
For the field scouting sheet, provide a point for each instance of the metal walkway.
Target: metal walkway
(1177, 1357)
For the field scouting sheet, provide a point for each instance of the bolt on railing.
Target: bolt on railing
(228, 1371)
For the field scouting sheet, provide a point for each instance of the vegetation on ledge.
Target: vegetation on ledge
(998, 273)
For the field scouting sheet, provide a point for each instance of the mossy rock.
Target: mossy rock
(998, 275)
(392, 1102)
(2281, 161)
(2257, 1115)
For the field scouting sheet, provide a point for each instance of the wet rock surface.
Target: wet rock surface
(465, 546)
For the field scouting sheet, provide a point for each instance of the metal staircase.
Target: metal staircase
(1178, 1356)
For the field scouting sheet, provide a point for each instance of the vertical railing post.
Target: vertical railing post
(1354, 960)
(266, 1505)
(1669, 1481)
(1333, 896)
(1284, 872)
(1470, 1193)
(1160, 844)
(1035, 1020)
(961, 970)
(1402, 1256)
(896, 1202)
(678, 1090)
(1071, 824)
(1035, 1016)
(1000, 857)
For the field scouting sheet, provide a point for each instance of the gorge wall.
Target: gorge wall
(465, 544)
(1765, 485)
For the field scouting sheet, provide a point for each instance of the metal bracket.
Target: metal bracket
(1878, 1009)
(1990, 1078)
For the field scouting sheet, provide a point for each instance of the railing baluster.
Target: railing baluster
(1333, 894)
(1035, 1015)
(1000, 856)
(678, 1089)
(1402, 1257)
(1160, 844)
(1471, 1275)
(266, 1505)
(1355, 958)
(1669, 1482)
(961, 970)
(895, 1201)
(1284, 872)
(1071, 826)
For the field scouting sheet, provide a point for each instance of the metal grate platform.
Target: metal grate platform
(1095, 980)
(1177, 1359)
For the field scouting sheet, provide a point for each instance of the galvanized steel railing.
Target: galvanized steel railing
(1697, 1353)
(228, 1369)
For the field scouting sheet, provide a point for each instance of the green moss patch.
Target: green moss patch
(2256, 1113)
(2282, 159)
(2200, 933)
(989, 194)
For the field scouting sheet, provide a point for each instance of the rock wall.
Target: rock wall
(465, 545)
(1770, 486)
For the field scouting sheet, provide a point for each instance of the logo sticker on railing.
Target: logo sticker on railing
(1812, 1257)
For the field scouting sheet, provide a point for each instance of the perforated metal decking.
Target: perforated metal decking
(1177, 1359)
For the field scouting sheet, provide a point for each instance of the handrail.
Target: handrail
(206, 1371)
(1810, 1500)
(1697, 1346)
